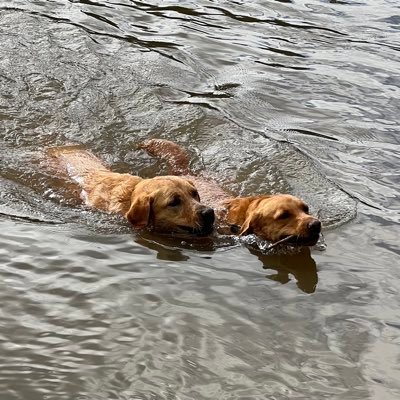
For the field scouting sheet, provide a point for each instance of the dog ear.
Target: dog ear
(139, 212)
(242, 208)
(247, 227)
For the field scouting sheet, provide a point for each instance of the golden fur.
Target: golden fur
(164, 203)
(271, 217)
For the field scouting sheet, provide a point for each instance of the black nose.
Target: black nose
(207, 215)
(314, 226)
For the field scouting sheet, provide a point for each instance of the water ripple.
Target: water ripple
(272, 96)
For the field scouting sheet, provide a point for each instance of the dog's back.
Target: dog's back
(101, 188)
(177, 159)
(78, 162)
(176, 156)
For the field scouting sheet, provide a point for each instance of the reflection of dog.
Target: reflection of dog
(300, 264)
(164, 203)
(280, 217)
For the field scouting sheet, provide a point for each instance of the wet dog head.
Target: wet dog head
(169, 204)
(274, 218)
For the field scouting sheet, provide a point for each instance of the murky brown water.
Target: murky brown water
(269, 96)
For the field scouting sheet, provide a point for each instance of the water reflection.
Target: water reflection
(287, 262)
(297, 263)
(226, 82)
(173, 247)
(162, 250)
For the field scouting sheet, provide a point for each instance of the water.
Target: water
(268, 96)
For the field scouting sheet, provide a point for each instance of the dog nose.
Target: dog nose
(314, 226)
(207, 215)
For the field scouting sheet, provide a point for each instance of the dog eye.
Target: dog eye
(284, 215)
(195, 194)
(306, 209)
(176, 201)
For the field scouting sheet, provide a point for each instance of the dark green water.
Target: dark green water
(269, 96)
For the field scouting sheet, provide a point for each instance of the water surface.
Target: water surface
(268, 96)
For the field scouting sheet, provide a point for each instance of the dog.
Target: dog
(278, 218)
(165, 204)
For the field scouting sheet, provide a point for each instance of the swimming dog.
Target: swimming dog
(276, 218)
(165, 203)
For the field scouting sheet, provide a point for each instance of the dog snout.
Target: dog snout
(207, 215)
(314, 226)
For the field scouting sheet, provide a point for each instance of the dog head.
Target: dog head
(169, 204)
(274, 218)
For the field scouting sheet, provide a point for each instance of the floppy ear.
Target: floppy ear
(247, 227)
(139, 212)
(239, 210)
(252, 222)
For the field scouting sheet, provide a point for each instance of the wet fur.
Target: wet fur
(164, 203)
(271, 217)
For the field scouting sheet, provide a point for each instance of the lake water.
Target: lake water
(268, 96)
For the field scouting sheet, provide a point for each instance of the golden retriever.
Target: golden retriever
(276, 218)
(165, 203)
